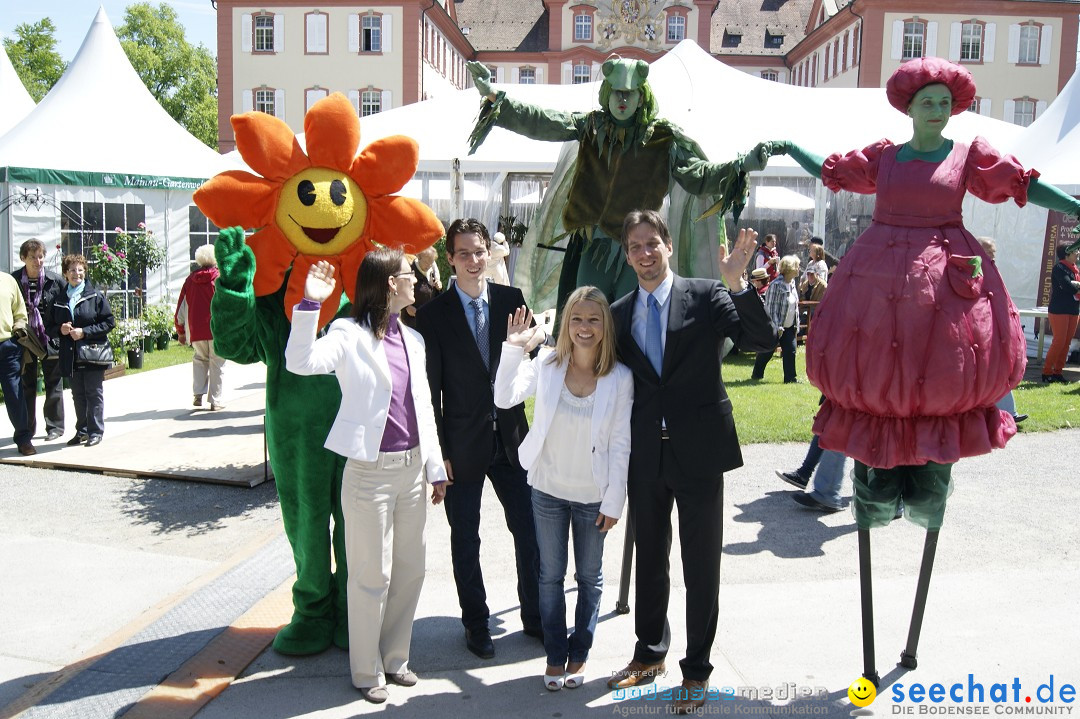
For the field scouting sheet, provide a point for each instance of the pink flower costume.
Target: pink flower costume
(917, 338)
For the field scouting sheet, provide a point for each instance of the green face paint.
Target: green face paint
(930, 110)
(624, 103)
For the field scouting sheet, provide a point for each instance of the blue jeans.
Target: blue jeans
(553, 518)
(829, 477)
(11, 353)
(813, 456)
(1007, 403)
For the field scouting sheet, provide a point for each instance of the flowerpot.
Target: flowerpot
(162, 342)
(148, 344)
(134, 357)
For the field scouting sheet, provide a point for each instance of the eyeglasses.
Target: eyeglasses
(405, 274)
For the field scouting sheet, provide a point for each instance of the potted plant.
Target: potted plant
(108, 265)
(159, 320)
(128, 336)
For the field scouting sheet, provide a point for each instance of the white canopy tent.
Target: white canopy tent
(15, 101)
(100, 152)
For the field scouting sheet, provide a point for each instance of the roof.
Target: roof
(500, 25)
(765, 27)
(15, 101)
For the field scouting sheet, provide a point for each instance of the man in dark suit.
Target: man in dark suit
(464, 329)
(671, 332)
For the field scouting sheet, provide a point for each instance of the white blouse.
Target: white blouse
(564, 467)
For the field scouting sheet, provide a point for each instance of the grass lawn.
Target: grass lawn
(175, 354)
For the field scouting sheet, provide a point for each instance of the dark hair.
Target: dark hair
(372, 304)
(70, 260)
(766, 238)
(644, 217)
(1062, 251)
(463, 226)
(31, 245)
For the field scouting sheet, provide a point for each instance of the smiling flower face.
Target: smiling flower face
(326, 204)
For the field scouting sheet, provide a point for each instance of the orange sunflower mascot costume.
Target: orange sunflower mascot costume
(328, 204)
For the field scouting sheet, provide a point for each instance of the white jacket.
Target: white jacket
(519, 377)
(358, 360)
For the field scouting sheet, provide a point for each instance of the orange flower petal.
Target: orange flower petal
(236, 197)
(402, 222)
(332, 132)
(268, 146)
(295, 291)
(273, 255)
(386, 165)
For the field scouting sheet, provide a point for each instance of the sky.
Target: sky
(72, 19)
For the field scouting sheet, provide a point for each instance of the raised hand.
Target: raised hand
(236, 261)
(733, 266)
(758, 158)
(481, 77)
(520, 332)
(319, 284)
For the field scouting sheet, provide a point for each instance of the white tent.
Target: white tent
(15, 101)
(103, 153)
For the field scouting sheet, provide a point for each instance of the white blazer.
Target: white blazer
(519, 377)
(358, 360)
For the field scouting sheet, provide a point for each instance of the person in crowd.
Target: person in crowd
(576, 455)
(1008, 402)
(496, 261)
(1063, 311)
(427, 268)
(464, 329)
(812, 289)
(759, 280)
(817, 264)
(193, 325)
(782, 304)
(670, 331)
(385, 427)
(81, 318)
(39, 289)
(12, 313)
(767, 257)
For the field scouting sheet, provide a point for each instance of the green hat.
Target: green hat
(625, 74)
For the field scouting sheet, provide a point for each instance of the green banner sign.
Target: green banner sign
(41, 176)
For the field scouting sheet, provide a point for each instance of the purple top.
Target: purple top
(401, 431)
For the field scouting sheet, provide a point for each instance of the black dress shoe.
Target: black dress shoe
(27, 450)
(479, 643)
(1018, 418)
(77, 439)
(53, 434)
(96, 439)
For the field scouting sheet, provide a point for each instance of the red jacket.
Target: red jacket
(193, 309)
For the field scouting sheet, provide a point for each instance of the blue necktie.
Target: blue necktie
(481, 332)
(653, 349)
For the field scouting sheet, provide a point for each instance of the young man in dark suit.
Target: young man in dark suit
(671, 332)
(464, 328)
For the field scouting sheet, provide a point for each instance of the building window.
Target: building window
(770, 75)
(974, 106)
(1023, 111)
(84, 224)
(371, 33)
(971, 42)
(201, 231)
(914, 39)
(264, 101)
(313, 95)
(315, 33)
(583, 28)
(732, 37)
(582, 74)
(773, 38)
(1029, 45)
(527, 76)
(370, 102)
(855, 47)
(264, 33)
(836, 57)
(676, 28)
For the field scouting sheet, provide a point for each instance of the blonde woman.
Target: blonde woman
(782, 306)
(577, 454)
(817, 262)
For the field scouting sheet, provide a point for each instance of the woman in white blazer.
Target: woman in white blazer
(576, 453)
(385, 426)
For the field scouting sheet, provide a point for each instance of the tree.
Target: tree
(33, 53)
(182, 77)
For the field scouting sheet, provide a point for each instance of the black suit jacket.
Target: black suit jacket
(689, 394)
(461, 388)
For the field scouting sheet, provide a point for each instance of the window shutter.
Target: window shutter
(245, 32)
(955, 30)
(498, 75)
(279, 33)
(897, 40)
(828, 57)
(247, 100)
(595, 72)
(851, 50)
(387, 100)
(354, 33)
(540, 75)
(1014, 48)
(984, 106)
(988, 41)
(317, 33)
(567, 73)
(1010, 111)
(279, 104)
(931, 39)
(514, 75)
(354, 98)
(387, 33)
(1040, 108)
(1045, 45)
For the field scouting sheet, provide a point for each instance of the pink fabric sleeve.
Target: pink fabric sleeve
(855, 171)
(994, 177)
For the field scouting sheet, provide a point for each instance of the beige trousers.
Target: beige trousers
(384, 510)
(207, 370)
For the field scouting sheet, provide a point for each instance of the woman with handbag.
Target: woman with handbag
(81, 318)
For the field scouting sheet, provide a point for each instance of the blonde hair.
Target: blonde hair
(564, 346)
(789, 265)
(817, 252)
(204, 256)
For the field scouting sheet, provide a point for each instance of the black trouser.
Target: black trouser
(87, 391)
(787, 353)
(54, 394)
(701, 535)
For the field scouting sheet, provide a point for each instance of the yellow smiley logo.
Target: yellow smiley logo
(862, 692)
(321, 211)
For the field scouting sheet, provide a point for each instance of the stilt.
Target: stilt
(622, 604)
(867, 596)
(907, 657)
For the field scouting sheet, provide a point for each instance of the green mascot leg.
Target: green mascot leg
(600, 263)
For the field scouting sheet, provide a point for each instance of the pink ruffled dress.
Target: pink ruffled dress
(911, 351)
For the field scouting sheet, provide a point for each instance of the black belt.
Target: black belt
(664, 433)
